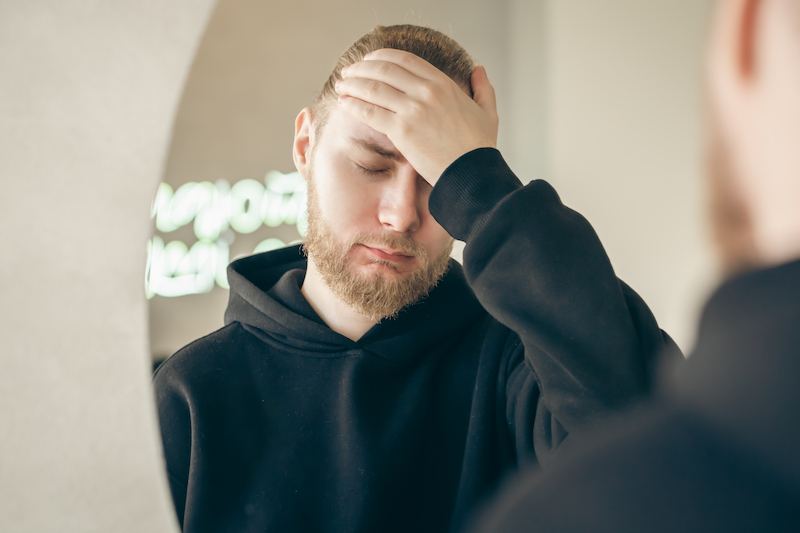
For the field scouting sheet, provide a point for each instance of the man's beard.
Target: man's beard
(731, 222)
(375, 296)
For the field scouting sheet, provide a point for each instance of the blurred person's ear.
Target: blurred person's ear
(745, 39)
(732, 57)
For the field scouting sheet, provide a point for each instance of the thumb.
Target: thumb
(483, 92)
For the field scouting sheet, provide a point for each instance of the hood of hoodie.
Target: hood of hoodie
(451, 306)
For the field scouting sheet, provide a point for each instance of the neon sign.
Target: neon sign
(216, 211)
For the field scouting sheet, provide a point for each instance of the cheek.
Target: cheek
(343, 199)
(436, 237)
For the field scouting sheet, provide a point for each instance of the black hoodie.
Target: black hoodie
(277, 423)
(716, 450)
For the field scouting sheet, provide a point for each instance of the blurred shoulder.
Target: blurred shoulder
(658, 469)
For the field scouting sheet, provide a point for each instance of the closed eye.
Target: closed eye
(372, 171)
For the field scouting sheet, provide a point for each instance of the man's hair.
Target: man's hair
(433, 46)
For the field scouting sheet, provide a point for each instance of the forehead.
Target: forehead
(342, 130)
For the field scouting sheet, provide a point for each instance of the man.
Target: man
(718, 449)
(378, 386)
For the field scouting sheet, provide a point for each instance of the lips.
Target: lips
(388, 254)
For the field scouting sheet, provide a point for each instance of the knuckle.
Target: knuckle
(372, 88)
(404, 128)
(406, 59)
(416, 110)
(368, 111)
(429, 92)
(384, 68)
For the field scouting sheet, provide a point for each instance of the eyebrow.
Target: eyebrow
(374, 147)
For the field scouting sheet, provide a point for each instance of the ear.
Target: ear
(732, 64)
(746, 39)
(733, 50)
(303, 141)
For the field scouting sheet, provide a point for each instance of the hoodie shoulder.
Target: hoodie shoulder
(203, 355)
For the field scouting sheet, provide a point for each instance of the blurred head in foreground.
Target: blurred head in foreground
(753, 80)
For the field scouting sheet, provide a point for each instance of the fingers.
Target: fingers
(408, 61)
(395, 76)
(371, 91)
(376, 117)
(384, 71)
(483, 92)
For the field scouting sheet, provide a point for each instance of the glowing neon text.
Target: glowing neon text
(175, 269)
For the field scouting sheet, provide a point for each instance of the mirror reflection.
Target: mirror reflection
(338, 384)
(257, 65)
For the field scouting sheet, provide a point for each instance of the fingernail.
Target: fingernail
(344, 70)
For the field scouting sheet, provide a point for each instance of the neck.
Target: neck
(775, 208)
(339, 316)
(778, 235)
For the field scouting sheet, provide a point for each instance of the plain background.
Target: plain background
(601, 97)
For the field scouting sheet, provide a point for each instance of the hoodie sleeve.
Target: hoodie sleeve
(176, 433)
(538, 267)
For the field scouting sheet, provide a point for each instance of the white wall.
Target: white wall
(88, 92)
(624, 117)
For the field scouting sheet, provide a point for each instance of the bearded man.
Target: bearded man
(718, 448)
(377, 385)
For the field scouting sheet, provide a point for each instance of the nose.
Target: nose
(401, 203)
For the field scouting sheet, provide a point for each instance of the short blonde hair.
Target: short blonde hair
(433, 46)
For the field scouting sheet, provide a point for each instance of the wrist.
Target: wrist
(469, 189)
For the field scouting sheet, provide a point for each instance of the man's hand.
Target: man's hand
(425, 114)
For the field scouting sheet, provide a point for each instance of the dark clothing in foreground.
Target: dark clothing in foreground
(277, 423)
(719, 449)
